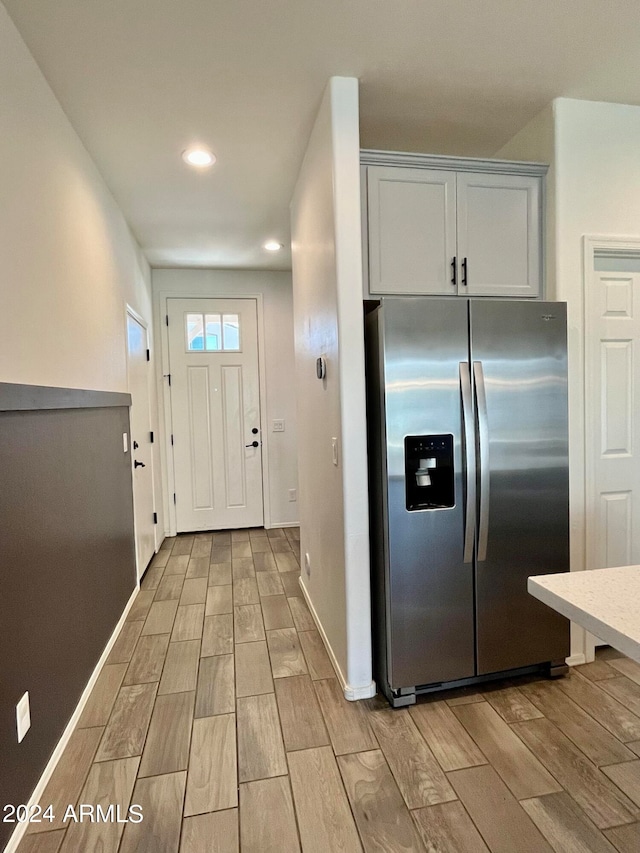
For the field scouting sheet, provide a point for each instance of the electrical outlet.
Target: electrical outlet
(125, 442)
(23, 716)
(293, 495)
(307, 564)
(278, 425)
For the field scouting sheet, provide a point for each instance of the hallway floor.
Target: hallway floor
(219, 713)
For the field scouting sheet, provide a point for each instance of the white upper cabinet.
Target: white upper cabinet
(498, 237)
(449, 232)
(412, 230)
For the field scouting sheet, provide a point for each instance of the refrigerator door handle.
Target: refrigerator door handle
(468, 444)
(483, 459)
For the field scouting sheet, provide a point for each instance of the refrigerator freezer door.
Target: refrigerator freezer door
(519, 356)
(429, 586)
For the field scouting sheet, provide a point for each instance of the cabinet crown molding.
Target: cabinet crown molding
(371, 157)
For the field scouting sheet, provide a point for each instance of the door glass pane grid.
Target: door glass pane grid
(212, 332)
(195, 334)
(231, 331)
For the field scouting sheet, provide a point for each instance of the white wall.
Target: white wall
(69, 261)
(279, 374)
(598, 176)
(595, 157)
(327, 275)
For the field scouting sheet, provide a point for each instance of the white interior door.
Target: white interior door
(140, 442)
(612, 363)
(215, 408)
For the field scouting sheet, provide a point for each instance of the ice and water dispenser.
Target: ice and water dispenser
(428, 472)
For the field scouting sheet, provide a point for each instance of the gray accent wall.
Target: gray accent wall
(67, 566)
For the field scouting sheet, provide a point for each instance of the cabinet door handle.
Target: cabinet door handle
(454, 273)
(464, 272)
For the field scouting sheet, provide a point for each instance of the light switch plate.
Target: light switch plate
(334, 451)
(23, 716)
(125, 442)
(278, 425)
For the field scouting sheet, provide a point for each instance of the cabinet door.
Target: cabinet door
(411, 230)
(499, 225)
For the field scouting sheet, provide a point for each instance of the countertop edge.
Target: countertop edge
(603, 630)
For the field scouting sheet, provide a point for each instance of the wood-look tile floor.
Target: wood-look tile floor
(218, 712)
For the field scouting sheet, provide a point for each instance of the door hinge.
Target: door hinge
(148, 355)
(155, 517)
(174, 497)
(166, 319)
(168, 377)
(151, 437)
(171, 439)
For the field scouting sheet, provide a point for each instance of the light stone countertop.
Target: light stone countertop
(604, 601)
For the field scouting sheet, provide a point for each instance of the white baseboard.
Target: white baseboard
(576, 660)
(281, 524)
(38, 791)
(355, 693)
(366, 691)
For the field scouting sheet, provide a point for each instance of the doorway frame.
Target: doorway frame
(160, 298)
(614, 246)
(131, 312)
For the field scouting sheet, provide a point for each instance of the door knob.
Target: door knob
(255, 430)
(137, 464)
(253, 444)
(135, 445)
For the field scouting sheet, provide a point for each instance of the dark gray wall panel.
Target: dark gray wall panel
(67, 569)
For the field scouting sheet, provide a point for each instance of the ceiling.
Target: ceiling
(142, 79)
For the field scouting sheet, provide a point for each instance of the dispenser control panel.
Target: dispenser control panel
(428, 472)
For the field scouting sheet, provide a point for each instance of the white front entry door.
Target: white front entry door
(612, 354)
(140, 442)
(215, 408)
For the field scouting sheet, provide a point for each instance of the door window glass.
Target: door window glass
(212, 332)
(231, 325)
(195, 334)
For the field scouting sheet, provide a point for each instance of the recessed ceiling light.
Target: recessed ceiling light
(199, 157)
(273, 246)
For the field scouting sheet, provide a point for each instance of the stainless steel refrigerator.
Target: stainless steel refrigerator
(469, 494)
